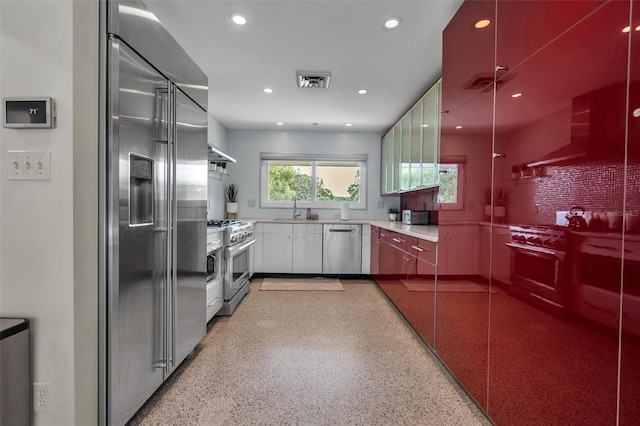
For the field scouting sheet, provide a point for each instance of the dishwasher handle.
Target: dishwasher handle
(342, 230)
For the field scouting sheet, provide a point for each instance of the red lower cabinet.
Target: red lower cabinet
(412, 292)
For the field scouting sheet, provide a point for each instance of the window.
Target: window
(322, 181)
(451, 190)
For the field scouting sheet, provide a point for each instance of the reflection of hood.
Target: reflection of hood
(597, 128)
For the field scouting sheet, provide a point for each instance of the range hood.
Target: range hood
(217, 156)
(597, 128)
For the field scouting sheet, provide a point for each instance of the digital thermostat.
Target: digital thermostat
(29, 113)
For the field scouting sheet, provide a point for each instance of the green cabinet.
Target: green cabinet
(410, 149)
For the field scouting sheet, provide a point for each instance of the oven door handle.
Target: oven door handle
(237, 249)
(536, 251)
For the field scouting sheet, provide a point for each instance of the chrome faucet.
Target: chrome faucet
(296, 214)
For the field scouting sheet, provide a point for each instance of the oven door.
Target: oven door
(237, 268)
(542, 274)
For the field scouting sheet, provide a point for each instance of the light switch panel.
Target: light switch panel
(28, 165)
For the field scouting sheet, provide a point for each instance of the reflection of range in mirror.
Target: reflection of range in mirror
(29, 112)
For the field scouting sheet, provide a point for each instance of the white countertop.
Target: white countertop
(425, 232)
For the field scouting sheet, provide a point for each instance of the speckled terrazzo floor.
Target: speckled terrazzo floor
(310, 358)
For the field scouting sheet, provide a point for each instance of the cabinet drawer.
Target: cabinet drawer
(277, 228)
(427, 251)
(403, 242)
(215, 297)
(307, 228)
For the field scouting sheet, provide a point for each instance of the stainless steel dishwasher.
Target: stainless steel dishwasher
(342, 249)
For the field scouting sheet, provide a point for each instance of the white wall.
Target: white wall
(246, 146)
(48, 247)
(215, 189)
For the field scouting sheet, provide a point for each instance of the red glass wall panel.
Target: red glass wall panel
(630, 347)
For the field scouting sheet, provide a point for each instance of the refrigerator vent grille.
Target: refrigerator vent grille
(313, 80)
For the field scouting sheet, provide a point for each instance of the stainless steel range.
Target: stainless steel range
(237, 240)
(539, 267)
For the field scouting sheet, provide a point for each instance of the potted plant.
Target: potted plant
(500, 203)
(500, 198)
(487, 204)
(393, 214)
(232, 196)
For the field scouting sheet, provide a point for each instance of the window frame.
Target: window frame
(461, 162)
(265, 158)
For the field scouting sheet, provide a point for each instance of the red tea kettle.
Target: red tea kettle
(576, 220)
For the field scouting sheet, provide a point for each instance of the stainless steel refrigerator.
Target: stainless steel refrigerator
(155, 194)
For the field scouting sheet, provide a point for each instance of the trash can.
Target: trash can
(15, 377)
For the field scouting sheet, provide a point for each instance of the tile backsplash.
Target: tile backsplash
(425, 199)
(596, 186)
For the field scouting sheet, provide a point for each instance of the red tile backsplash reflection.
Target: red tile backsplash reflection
(596, 186)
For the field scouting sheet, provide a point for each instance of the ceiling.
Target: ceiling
(345, 38)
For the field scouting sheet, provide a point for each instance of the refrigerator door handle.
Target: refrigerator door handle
(173, 205)
(163, 224)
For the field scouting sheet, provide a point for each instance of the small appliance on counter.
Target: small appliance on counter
(415, 217)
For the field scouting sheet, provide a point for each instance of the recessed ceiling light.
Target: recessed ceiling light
(391, 23)
(626, 29)
(349, 124)
(638, 28)
(267, 90)
(516, 95)
(238, 19)
(425, 125)
(280, 123)
(362, 91)
(636, 112)
(458, 127)
(483, 23)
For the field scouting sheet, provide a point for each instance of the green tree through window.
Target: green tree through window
(289, 179)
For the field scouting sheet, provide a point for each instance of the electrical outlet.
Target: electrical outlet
(42, 397)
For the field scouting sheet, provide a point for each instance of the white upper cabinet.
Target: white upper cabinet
(410, 150)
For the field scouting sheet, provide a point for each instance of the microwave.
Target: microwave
(413, 217)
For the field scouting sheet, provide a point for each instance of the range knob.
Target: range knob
(537, 241)
(530, 240)
(234, 238)
(548, 243)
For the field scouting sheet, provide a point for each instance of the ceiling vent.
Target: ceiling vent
(313, 80)
(484, 82)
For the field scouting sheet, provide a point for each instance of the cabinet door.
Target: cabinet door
(389, 161)
(307, 248)
(421, 313)
(459, 249)
(405, 152)
(257, 258)
(415, 165)
(277, 248)
(397, 159)
(430, 135)
(276, 256)
(383, 162)
(375, 251)
(307, 253)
